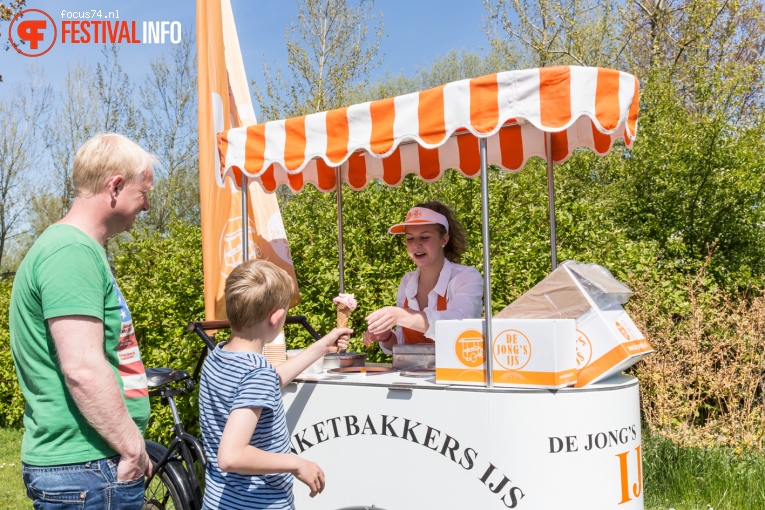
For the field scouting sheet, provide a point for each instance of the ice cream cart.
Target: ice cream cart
(399, 442)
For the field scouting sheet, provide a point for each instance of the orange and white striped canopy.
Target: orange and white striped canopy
(427, 132)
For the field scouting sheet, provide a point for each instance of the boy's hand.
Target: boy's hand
(337, 339)
(312, 475)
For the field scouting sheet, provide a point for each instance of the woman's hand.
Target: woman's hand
(384, 319)
(370, 337)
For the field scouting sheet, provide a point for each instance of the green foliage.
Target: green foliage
(11, 399)
(161, 279)
(541, 34)
(170, 94)
(694, 182)
(695, 185)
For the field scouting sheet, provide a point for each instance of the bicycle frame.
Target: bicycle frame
(183, 445)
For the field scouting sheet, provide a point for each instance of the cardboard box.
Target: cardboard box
(607, 340)
(527, 353)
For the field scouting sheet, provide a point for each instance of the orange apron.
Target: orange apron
(415, 337)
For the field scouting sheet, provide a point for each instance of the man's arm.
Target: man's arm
(91, 381)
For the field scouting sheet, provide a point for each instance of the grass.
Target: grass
(700, 479)
(12, 492)
(678, 478)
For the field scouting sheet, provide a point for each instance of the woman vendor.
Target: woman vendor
(440, 287)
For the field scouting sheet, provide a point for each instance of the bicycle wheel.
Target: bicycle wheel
(164, 491)
(169, 488)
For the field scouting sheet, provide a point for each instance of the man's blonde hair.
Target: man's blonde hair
(254, 289)
(106, 155)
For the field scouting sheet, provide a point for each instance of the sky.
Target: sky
(415, 33)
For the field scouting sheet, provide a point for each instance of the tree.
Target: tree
(169, 100)
(118, 112)
(7, 12)
(331, 51)
(91, 101)
(550, 32)
(453, 66)
(693, 182)
(22, 115)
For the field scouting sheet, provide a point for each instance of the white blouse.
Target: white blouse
(463, 286)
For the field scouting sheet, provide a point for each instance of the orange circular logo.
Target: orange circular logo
(413, 215)
(583, 350)
(512, 350)
(469, 348)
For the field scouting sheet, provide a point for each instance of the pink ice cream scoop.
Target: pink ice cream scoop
(346, 300)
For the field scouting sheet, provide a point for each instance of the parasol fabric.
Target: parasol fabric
(430, 131)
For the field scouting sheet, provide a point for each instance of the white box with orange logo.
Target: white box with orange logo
(529, 353)
(607, 341)
(460, 352)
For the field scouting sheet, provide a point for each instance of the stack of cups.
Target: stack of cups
(276, 351)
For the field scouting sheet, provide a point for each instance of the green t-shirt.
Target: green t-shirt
(66, 273)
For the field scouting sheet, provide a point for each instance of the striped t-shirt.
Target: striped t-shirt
(233, 380)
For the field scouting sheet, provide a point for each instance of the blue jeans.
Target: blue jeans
(90, 485)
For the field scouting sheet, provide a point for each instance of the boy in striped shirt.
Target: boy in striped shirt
(244, 427)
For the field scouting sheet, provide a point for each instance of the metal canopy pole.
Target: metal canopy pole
(245, 219)
(551, 200)
(341, 259)
(486, 267)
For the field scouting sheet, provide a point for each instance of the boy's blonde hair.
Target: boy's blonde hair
(254, 290)
(106, 155)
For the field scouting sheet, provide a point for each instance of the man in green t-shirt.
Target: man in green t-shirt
(74, 346)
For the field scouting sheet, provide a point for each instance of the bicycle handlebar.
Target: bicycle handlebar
(200, 327)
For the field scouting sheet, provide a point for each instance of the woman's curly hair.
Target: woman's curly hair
(457, 238)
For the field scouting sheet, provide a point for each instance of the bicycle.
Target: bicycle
(178, 473)
(177, 479)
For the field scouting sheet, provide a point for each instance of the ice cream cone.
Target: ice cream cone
(343, 316)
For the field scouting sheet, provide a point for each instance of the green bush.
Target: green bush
(162, 281)
(11, 399)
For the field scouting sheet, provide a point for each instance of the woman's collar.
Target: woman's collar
(441, 285)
